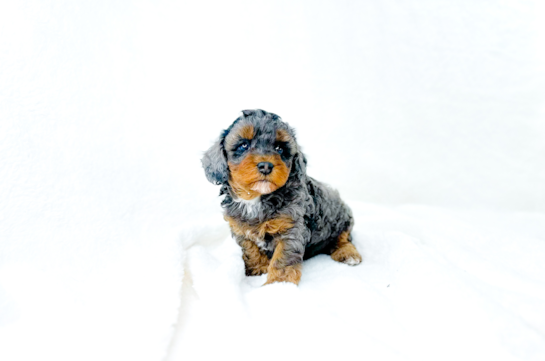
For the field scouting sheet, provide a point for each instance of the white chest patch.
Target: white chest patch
(250, 208)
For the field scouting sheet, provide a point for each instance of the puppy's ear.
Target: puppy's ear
(214, 162)
(299, 164)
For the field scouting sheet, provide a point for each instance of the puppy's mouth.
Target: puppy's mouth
(263, 187)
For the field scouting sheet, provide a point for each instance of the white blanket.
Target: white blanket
(124, 309)
(435, 284)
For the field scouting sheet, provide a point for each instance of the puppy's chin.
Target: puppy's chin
(263, 187)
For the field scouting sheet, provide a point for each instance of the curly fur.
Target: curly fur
(296, 221)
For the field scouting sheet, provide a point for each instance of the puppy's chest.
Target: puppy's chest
(263, 233)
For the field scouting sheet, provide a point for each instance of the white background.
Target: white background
(428, 102)
(106, 108)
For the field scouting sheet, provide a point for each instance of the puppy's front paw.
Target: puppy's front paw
(290, 274)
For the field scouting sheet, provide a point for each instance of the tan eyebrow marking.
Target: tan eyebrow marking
(282, 135)
(247, 132)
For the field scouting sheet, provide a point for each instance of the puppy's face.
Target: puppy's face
(256, 155)
(259, 154)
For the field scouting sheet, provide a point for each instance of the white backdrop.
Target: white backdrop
(429, 102)
(106, 108)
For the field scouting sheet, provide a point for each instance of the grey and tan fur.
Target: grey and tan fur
(277, 214)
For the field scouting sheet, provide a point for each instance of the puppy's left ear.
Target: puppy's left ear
(214, 162)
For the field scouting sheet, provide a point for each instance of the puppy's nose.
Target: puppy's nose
(265, 167)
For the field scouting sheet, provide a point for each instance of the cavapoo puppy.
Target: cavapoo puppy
(277, 214)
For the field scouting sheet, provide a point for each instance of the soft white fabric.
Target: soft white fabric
(435, 284)
(90, 257)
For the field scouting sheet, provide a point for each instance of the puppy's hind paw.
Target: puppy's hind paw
(351, 261)
(347, 254)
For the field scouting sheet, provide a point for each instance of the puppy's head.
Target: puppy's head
(256, 155)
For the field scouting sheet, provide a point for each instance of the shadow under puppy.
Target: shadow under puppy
(277, 214)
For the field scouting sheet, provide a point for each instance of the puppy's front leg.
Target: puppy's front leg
(285, 265)
(255, 262)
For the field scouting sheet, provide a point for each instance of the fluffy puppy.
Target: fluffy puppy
(277, 214)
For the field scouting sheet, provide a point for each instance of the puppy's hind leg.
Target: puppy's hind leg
(345, 252)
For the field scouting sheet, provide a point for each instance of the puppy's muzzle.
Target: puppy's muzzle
(265, 167)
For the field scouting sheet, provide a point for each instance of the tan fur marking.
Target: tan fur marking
(345, 250)
(237, 227)
(243, 192)
(290, 274)
(282, 135)
(247, 132)
(273, 226)
(256, 263)
(277, 225)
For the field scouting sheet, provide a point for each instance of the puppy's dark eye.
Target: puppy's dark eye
(279, 149)
(242, 147)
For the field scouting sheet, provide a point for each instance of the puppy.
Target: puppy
(277, 214)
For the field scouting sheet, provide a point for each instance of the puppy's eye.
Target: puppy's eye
(243, 147)
(279, 149)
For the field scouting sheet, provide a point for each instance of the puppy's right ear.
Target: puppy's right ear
(214, 162)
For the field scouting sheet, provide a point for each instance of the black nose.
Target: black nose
(265, 167)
